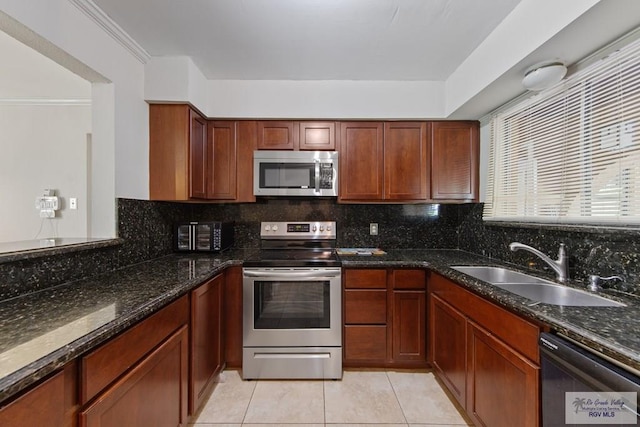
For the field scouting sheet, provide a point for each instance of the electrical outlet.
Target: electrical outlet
(373, 229)
(73, 203)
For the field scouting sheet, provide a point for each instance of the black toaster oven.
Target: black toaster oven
(203, 236)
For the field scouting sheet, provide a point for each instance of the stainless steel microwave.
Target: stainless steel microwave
(295, 173)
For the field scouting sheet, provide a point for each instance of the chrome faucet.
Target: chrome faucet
(561, 266)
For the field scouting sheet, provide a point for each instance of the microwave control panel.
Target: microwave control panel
(326, 175)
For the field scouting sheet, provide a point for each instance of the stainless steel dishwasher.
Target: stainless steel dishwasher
(580, 388)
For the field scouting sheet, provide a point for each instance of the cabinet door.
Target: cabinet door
(198, 156)
(447, 338)
(247, 143)
(52, 403)
(361, 161)
(277, 135)
(222, 160)
(169, 155)
(153, 393)
(454, 160)
(233, 317)
(406, 156)
(497, 374)
(317, 136)
(409, 326)
(206, 339)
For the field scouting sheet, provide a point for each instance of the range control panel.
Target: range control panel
(298, 230)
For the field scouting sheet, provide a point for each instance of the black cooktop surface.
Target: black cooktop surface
(293, 258)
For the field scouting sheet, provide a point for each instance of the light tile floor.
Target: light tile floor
(361, 398)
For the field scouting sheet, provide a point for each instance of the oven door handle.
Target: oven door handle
(284, 275)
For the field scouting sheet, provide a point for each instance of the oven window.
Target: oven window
(287, 175)
(291, 304)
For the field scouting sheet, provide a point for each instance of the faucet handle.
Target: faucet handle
(595, 280)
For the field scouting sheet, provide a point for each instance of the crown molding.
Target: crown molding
(89, 8)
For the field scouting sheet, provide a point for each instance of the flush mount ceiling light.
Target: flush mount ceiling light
(543, 76)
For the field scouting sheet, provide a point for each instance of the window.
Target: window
(571, 154)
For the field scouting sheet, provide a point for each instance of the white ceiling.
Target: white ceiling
(312, 39)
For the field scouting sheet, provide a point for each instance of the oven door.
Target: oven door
(292, 307)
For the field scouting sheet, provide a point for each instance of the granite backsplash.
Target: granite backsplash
(591, 250)
(146, 229)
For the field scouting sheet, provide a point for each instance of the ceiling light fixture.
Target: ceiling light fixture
(543, 76)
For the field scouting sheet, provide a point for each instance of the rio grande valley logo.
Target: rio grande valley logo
(601, 408)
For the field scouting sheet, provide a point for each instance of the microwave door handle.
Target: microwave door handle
(317, 175)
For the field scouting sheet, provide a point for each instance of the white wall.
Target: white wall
(120, 117)
(43, 147)
(177, 79)
(330, 99)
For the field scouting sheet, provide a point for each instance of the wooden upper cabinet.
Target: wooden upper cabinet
(222, 147)
(406, 156)
(317, 136)
(247, 143)
(198, 156)
(361, 161)
(454, 160)
(277, 135)
(169, 152)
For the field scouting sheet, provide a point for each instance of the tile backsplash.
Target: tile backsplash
(147, 228)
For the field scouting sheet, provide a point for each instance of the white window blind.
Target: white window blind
(571, 154)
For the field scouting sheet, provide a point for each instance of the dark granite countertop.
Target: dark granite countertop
(42, 331)
(612, 331)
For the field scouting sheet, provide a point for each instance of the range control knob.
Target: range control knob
(328, 228)
(314, 228)
(274, 227)
(321, 228)
(267, 227)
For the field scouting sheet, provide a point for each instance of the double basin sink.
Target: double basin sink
(536, 289)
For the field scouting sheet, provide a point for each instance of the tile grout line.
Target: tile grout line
(244, 417)
(324, 403)
(386, 373)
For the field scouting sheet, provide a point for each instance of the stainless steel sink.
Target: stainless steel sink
(536, 289)
(495, 275)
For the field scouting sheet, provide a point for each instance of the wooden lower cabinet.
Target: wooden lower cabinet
(233, 317)
(502, 385)
(153, 393)
(448, 357)
(207, 341)
(365, 344)
(385, 318)
(409, 326)
(54, 402)
(486, 356)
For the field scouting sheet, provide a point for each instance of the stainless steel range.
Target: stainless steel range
(292, 322)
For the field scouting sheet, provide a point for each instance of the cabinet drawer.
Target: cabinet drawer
(408, 279)
(365, 306)
(515, 331)
(365, 279)
(108, 362)
(365, 342)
